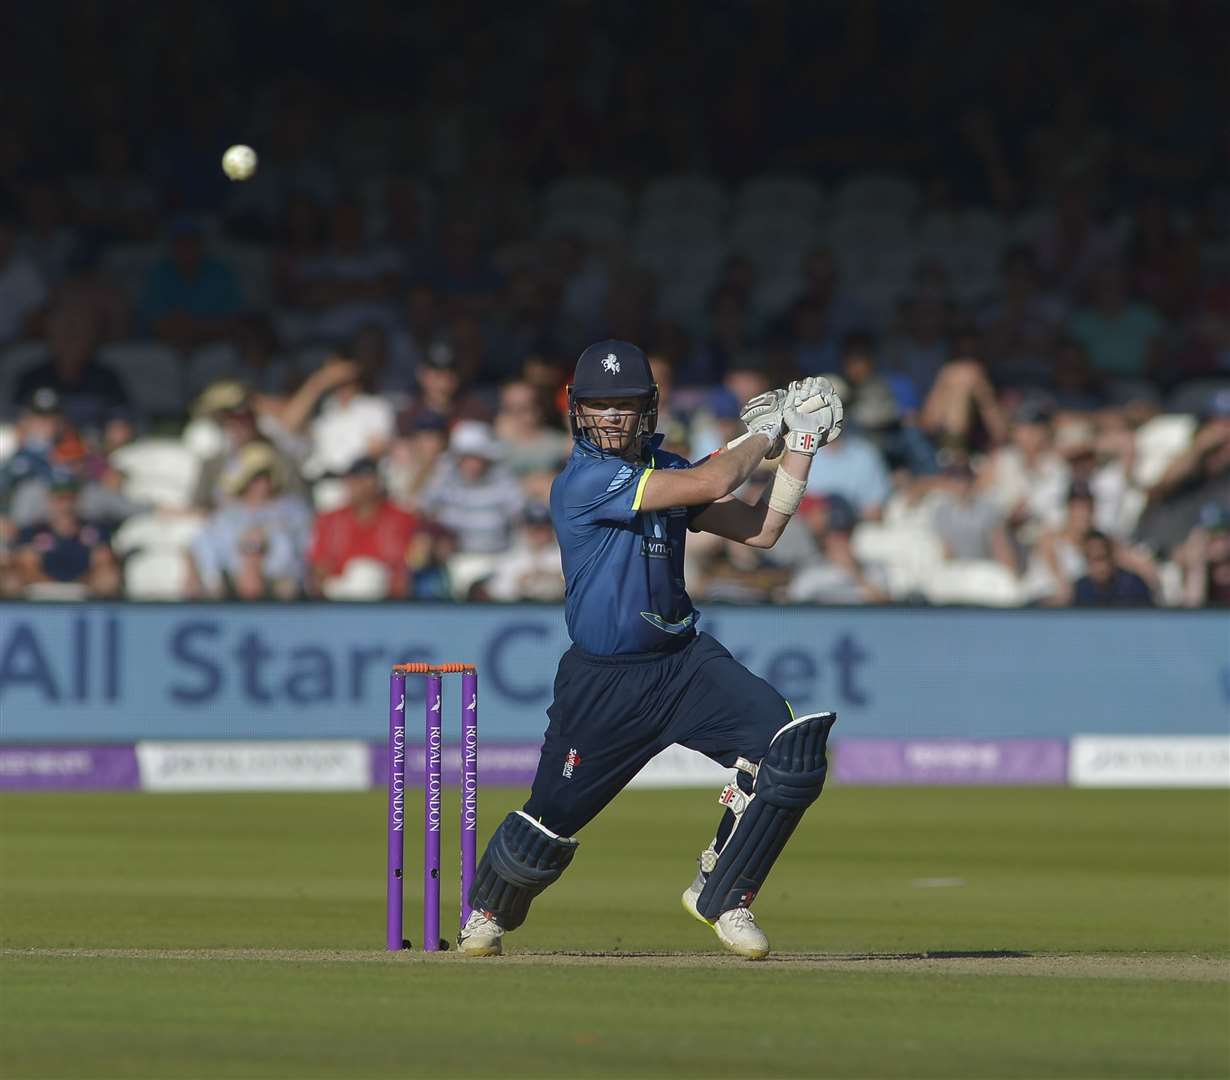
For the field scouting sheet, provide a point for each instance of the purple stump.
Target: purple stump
(431, 815)
(397, 811)
(469, 786)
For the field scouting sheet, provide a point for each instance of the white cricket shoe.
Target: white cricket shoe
(736, 929)
(482, 935)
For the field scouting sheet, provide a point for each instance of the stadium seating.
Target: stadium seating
(685, 193)
(594, 226)
(910, 555)
(796, 195)
(876, 192)
(157, 574)
(362, 579)
(974, 581)
(587, 194)
(159, 471)
(150, 530)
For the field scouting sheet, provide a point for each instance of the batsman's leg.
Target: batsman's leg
(763, 807)
(522, 858)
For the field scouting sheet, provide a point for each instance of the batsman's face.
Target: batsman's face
(610, 423)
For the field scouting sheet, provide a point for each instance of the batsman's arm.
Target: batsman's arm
(757, 525)
(712, 479)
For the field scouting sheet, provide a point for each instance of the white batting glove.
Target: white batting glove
(813, 414)
(763, 414)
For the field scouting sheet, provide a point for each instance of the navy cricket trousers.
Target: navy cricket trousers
(611, 714)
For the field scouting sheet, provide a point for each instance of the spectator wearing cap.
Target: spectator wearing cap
(532, 569)
(233, 407)
(253, 547)
(1028, 479)
(88, 390)
(65, 548)
(23, 291)
(414, 455)
(473, 494)
(835, 575)
(970, 525)
(343, 420)
(1204, 559)
(439, 389)
(101, 498)
(367, 527)
(1107, 583)
(190, 298)
(853, 468)
(39, 427)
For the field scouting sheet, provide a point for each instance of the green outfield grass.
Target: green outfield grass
(1069, 933)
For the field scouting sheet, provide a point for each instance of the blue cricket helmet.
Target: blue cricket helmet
(613, 369)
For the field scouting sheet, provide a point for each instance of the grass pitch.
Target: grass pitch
(919, 932)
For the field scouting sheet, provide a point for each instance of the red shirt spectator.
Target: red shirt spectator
(369, 526)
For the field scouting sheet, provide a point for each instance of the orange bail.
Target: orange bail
(432, 669)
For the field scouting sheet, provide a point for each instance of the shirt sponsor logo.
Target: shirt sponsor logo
(653, 548)
(571, 760)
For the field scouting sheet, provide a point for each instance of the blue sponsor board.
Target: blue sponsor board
(89, 673)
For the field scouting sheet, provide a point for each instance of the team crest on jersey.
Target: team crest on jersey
(610, 364)
(571, 760)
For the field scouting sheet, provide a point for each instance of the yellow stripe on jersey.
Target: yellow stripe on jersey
(640, 490)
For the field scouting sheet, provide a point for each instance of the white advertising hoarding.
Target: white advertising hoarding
(1139, 761)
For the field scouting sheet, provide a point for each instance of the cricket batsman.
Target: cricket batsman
(639, 676)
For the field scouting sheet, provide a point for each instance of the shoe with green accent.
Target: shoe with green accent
(736, 929)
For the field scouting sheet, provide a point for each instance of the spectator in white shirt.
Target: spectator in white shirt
(532, 569)
(351, 423)
(1028, 480)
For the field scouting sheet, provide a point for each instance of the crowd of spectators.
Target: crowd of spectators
(343, 378)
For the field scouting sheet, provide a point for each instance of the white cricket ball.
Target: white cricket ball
(239, 162)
